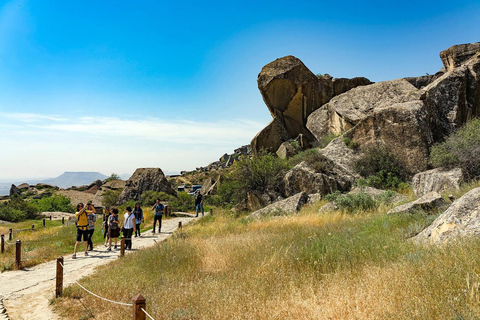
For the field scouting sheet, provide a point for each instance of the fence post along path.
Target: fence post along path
(35, 286)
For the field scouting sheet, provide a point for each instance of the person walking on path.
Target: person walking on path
(128, 227)
(105, 225)
(81, 222)
(113, 228)
(158, 208)
(138, 212)
(198, 203)
(92, 218)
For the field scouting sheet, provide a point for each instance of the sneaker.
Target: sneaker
(115, 246)
(109, 249)
(90, 249)
(135, 236)
(105, 244)
(86, 253)
(74, 256)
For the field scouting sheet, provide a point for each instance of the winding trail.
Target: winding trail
(26, 293)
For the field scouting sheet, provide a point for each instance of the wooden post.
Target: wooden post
(180, 225)
(122, 247)
(44, 222)
(63, 220)
(165, 211)
(59, 283)
(33, 227)
(211, 211)
(2, 244)
(50, 218)
(139, 303)
(18, 253)
(10, 234)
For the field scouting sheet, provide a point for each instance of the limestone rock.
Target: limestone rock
(257, 200)
(428, 202)
(341, 155)
(14, 191)
(460, 219)
(271, 137)
(114, 184)
(302, 178)
(314, 198)
(438, 180)
(341, 85)
(328, 207)
(286, 150)
(206, 185)
(459, 54)
(144, 179)
(283, 207)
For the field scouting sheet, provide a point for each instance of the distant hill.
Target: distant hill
(69, 179)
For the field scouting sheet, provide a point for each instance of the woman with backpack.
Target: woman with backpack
(138, 212)
(128, 227)
(105, 226)
(113, 228)
(81, 222)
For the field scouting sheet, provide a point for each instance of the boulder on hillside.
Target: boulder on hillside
(271, 137)
(144, 179)
(303, 178)
(427, 202)
(114, 184)
(459, 220)
(438, 180)
(23, 186)
(206, 185)
(457, 55)
(14, 191)
(287, 206)
(286, 150)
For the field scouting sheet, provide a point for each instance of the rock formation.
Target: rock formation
(144, 179)
(287, 206)
(460, 219)
(292, 92)
(14, 191)
(286, 150)
(427, 202)
(438, 180)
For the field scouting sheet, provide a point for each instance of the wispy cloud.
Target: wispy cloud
(31, 117)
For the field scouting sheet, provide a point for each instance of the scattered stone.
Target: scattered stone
(438, 180)
(428, 202)
(328, 207)
(283, 207)
(461, 219)
(314, 198)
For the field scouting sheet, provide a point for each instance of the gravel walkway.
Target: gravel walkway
(26, 293)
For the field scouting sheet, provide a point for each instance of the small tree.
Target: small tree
(113, 176)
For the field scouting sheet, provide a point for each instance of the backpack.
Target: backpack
(80, 223)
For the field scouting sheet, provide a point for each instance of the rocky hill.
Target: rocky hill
(70, 179)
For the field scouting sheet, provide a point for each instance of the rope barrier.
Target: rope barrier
(96, 295)
(147, 313)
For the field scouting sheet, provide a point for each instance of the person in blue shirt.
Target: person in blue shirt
(198, 203)
(158, 209)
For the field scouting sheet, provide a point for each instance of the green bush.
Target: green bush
(18, 210)
(314, 159)
(110, 198)
(113, 176)
(149, 197)
(352, 202)
(56, 202)
(460, 149)
(324, 141)
(381, 169)
(184, 202)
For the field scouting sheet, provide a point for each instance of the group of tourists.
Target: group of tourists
(85, 221)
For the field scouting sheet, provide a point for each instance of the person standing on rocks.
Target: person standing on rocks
(198, 203)
(81, 222)
(92, 218)
(128, 227)
(113, 228)
(138, 212)
(158, 208)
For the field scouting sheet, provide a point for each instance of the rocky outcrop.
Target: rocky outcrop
(14, 191)
(286, 150)
(457, 55)
(428, 202)
(438, 180)
(209, 186)
(292, 92)
(394, 197)
(144, 179)
(459, 220)
(287, 206)
(271, 137)
(303, 178)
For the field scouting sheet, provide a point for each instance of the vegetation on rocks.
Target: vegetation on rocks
(461, 149)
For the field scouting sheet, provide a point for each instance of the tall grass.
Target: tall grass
(308, 266)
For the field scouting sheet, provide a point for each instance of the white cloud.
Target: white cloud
(31, 117)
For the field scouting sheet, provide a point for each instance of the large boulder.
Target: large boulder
(14, 191)
(286, 150)
(460, 219)
(271, 137)
(144, 179)
(428, 202)
(290, 205)
(303, 178)
(439, 180)
(457, 55)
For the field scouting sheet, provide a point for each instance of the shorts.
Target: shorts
(82, 233)
(114, 233)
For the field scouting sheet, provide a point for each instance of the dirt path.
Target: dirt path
(26, 293)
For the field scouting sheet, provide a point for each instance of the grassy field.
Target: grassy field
(306, 266)
(45, 244)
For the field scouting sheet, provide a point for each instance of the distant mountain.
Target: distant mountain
(69, 179)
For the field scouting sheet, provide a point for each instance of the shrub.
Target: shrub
(113, 176)
(314, 159)
(110, 197)
(356, 202)
(324, 141)
(381, 169)
(460, 149)
(56, 202)
(184, 202)
(149, 197)
(18, 210)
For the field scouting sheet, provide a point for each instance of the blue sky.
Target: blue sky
(110, 86)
